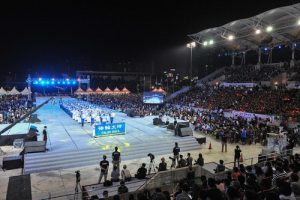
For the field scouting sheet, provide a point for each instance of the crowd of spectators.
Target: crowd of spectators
(259, 100)
(251, 74)
(12, 108)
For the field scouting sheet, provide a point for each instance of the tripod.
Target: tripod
(151, 166)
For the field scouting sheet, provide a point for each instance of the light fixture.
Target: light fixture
(269, 28)
(258, 31)
(230, 37)
(298, 22)
(205, 43)
(191, 45)
(211, 42)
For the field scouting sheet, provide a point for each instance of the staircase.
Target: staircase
(46, 161)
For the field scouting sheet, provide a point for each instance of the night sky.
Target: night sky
(51, 37)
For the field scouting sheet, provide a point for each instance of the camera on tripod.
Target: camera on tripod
(173, 159)
(77, 176)
(152, 157)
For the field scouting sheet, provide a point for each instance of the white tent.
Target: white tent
(14, 91)
(2, 91)
(25, 91)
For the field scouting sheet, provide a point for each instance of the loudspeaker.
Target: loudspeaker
(32, 147)
(157, 121)
(183, 124)
(185, 132)
(12, 162)
(171, 126)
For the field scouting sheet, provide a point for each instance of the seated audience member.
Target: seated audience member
(184, 193)
(142, 172)
(115, 174)
(105, 195)
(200, 160)
(123, 188)
(181, 162)
(295, 185)
(158, 194)
(235, 174)
(125, 174)
(189, 160)
(163, 165)
(213, 193)
(220, 167)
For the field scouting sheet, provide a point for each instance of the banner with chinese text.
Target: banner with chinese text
(109, 129)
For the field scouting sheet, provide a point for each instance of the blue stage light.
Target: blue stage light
(52, 82)
(68, 83)
(52, 79)
(47, 83)
(40, 79)
(42, 82)
(63, 82)
(58, 82)
(35, 82)
(279, 46)
(74, 82)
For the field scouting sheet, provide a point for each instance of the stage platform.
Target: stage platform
(71, 145)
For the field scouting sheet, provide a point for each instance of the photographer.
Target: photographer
(163, 165)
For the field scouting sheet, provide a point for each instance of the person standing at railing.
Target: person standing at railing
(237, 155)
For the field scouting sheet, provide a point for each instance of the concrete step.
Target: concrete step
(88, 162)
(41, 162)
(96, 156)
(58, 155)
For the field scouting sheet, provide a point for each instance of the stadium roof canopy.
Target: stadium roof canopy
(279, 26)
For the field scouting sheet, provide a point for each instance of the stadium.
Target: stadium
(126, 132)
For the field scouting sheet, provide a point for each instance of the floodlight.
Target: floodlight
(188, 45)
(63, 82)
(193, 44)
(211, 42)
(74, 82)
(52, 79)
(43, 82)
(52, 82)
(230, 37)
(258, 31)
(35, 82)
(47, 82)
(269, 28)
(266, 49)
(205, 43)
(40, 79)
(58, 82)
(298, 22)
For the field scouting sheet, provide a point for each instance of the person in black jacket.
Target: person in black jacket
(163, 165)
(176, 151)
(200, 160)
(237, 155)
(142, 171)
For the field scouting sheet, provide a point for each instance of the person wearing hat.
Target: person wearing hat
(163, 165)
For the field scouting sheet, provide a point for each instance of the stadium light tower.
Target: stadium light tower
(191, 46)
